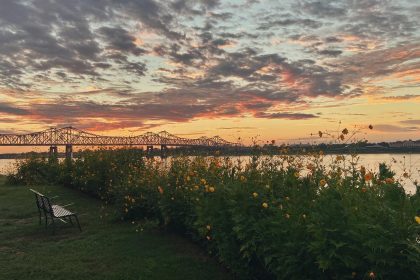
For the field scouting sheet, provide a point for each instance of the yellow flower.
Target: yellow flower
(254, 194)
(296, 174)
(203, 181)
(188, 178)
(339, 158)
(196, 187)
(322, 182)
(208, 227)
(243, 179)
(212, 189)
(417, 219)
(264, 205)
(310, 166)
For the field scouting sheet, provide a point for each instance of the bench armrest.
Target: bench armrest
(67, 205)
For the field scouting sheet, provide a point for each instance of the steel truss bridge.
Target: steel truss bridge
(70, 136)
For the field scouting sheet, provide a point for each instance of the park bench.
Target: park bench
(53, 211)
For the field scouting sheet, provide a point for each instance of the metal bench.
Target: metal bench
(53, 211)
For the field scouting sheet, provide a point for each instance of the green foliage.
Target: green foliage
(286, 217)
(35, 171)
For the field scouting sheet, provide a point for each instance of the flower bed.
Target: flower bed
(269, 218)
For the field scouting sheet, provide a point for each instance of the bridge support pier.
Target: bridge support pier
(53, 151)
(149, 151)
(163, 151)
(69, 151)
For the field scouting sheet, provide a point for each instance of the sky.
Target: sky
(255, 69)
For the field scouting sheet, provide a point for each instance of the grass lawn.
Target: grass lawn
(106, 249)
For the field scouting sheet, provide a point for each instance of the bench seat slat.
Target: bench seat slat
(60, 211)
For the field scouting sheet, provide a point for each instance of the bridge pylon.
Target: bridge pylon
(69, 151)
(163, 151)
(53, 151)
(149, 150)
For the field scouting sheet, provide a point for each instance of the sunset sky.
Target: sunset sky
(275, 70)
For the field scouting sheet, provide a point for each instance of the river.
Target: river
(400, 164)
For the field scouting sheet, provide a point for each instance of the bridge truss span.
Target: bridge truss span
(70, 136)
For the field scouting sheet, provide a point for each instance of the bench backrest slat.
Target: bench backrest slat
(43, 202)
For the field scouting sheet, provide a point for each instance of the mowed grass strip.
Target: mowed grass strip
(106, 249)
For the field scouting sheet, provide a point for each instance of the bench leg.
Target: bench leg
(53, 224)
(78, 224)
(39, 212)
(46, 220)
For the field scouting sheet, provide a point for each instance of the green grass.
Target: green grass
(106, 249)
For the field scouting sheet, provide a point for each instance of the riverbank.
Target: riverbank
(106, 249)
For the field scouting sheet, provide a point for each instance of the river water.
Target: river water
(400, 163)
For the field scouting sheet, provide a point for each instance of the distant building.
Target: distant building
(405, 144)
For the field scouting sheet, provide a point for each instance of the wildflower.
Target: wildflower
(203, 181)
(287, 198)
(368, 176)
(196, 187)
(243, 179)
(211, 189)
(345, 131)
(287, 216)
(188, 178)
(267, 186)
(417, 219)
(304, 216)
(322, 182)
(208, 238)
(389, 180)
(281, 206)
(264, 205)
(296, 174)
(208, 227)
(254, 194)
(339, 158)
(372, 275)
(160, 190)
